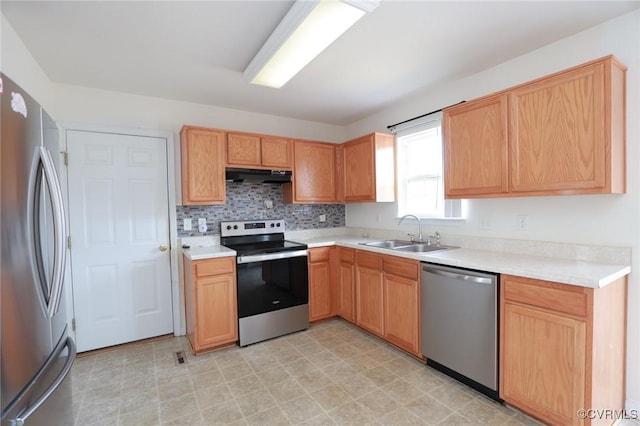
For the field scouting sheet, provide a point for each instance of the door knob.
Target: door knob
(163, 247)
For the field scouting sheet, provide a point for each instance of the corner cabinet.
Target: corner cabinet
(562, 348)
(558, 135)
(321, 294)
(210, 302)
(368, 169)
(314, 173)
(246, 150)
(202, 162)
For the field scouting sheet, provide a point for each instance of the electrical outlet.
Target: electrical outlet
(323, 218)
(187, 225)
(268, 204)
(485, 222)
(202, 221)
(523, 222)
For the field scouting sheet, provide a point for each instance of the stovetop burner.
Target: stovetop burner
(256, 237)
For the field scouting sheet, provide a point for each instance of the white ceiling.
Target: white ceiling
(196, 51)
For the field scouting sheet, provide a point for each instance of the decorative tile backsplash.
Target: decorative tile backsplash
(248, 201)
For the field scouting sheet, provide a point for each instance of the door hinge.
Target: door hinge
(65, 154)
(73, 324)
(69, 242)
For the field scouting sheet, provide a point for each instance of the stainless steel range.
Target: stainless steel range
(273, 288)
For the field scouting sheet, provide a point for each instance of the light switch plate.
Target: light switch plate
(202, 221)
(187, 225)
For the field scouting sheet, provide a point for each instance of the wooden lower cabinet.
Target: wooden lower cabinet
(369, 299)
(346, 289)
(388, 298)
(320, 283)
(562, 348)
(210, 302)
(402, 303)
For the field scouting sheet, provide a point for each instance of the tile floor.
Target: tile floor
(332, 373)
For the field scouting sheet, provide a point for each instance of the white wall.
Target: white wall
(17, 63)
(599, 219)
(114, 109)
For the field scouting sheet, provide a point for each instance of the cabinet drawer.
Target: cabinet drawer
(319, 254)
(401, 267)
(346, 255)
(547, 295)
(215, 266)
(369, 260)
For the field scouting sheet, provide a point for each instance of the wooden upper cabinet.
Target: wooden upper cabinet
(243, 150)
(560, 134)
(257, 151)
(476, 151)
(276, 153)
(314, 176)
(369, 168)
(202, 162)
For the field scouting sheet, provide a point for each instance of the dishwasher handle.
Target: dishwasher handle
(458, 276)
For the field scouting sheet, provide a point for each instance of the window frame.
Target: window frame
(452, 209)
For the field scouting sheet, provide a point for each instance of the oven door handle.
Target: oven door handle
(270, 256)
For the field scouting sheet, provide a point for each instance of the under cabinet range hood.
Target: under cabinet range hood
(257, 175)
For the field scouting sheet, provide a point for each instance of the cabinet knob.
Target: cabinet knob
(163, 247)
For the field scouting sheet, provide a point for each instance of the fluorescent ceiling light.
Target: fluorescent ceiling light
(307, 29)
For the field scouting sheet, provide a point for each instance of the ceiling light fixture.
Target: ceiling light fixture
(307, 29)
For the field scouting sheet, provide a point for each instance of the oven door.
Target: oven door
(272, 282)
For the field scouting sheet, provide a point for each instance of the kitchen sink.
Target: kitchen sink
(401, 245)
(391, 244)
(422, 248)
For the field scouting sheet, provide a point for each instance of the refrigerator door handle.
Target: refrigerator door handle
(30, 409)
(60, 232)
(44, 167)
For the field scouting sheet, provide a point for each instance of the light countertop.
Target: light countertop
(207, 252)
(573, 272)
(566, 271)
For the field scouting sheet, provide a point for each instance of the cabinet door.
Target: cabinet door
(216, 311)
(475, 148)
(243, 150)
(402, 312)
(320, 294)
(276, 153)
(359, 170)
(319, 290)
(369, 299)
(202, 159)
(542, 367)
(368, 169)
(557, 132)
(314, 172)
(346, 292)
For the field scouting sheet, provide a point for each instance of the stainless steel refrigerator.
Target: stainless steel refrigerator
(36, 351)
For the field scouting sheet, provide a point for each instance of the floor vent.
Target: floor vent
(180, 358)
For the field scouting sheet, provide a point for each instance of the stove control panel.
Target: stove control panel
(251, 227)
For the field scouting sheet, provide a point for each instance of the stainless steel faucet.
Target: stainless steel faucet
(419, 225)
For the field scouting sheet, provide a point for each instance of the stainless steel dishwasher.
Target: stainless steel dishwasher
(460, 324)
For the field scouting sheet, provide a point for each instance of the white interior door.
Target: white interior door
(119, 227)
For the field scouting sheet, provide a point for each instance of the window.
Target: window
(420, 170)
